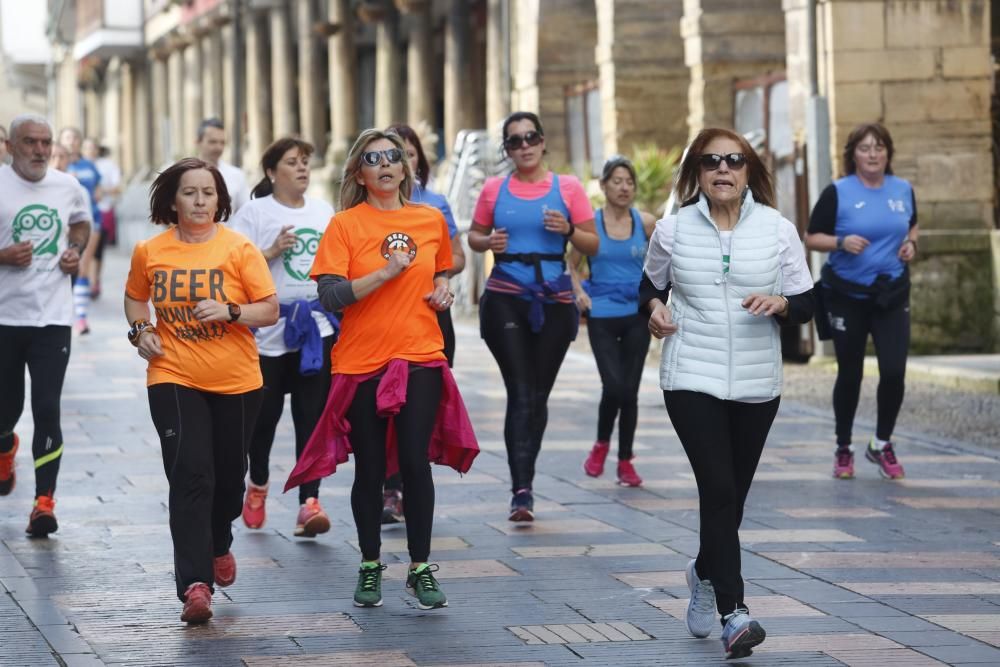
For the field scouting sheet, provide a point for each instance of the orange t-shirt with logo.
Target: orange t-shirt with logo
(394, 321)
(217, 357)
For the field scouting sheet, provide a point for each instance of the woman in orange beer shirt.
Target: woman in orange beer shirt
(383, 261)
(208, 286)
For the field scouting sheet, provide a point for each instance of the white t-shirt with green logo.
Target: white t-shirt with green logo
(41, 212)
(260, 220)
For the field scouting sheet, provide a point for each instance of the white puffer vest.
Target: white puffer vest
(719, 348)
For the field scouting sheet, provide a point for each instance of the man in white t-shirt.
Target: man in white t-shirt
(211, 143)
(45, 222)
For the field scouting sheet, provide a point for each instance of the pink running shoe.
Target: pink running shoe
(224, 569)
(197, 604)
(254, 512)
(312, 520)
(843, 463)
(594, 465)
(627, 476)
(885, 458)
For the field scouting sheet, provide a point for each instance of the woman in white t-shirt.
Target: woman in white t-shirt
(294, 353)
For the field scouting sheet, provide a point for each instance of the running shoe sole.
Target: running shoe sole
(197, 616)
(316, 525)
(881, 470)
(522, 515)
(843, 475)
(425, 607)
(743, 645)
(366, 605)
(42, 526)
(391, 517)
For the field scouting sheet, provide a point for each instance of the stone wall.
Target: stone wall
(724, 41)
(552, 46)
(923, 68)
(643, 78)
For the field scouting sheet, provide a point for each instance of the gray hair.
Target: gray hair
(207, 123)
(26, 119)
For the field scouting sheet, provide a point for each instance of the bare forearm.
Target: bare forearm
(479, 241)
(135, 310)
(79, 234)
(586, 243)
(457, 256)
(259, 314)
(821, 242)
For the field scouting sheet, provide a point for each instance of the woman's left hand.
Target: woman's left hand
(210, 310)
(765, 304)
(907, 251)
(556, 222)
(441, 298)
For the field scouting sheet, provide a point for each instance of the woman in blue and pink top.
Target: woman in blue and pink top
(618, 332)
(527, 314)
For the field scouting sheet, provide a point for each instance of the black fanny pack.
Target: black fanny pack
(885, 291)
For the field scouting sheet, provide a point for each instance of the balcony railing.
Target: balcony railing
(106, 28)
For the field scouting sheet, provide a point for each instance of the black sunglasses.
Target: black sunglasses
(712, 161)
(515, 141)
(374, 158)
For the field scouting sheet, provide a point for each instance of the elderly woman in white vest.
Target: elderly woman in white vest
(735, 271)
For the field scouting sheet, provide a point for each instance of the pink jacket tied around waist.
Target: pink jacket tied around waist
(453, 442)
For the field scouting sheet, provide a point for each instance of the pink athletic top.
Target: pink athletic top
(570, 188)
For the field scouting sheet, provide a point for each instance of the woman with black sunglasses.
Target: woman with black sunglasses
(393, 402)
(527, 314)
(735, 270)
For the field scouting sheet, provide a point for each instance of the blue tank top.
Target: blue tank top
(522, 218)
(881, 215)
(616, 270)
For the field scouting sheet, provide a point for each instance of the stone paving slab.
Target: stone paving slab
(860, 573)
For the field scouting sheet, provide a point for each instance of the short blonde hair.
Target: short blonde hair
(353, 193)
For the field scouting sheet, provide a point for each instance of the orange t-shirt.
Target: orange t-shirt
(211, 356)
(394, 321)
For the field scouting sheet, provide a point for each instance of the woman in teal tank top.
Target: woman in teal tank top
(618, 333)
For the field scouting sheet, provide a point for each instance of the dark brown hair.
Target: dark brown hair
(408, 134)
(857, 135)
(272, 156)
(613, 163)
(163, 191)
(758, 177)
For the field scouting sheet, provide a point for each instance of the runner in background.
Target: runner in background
(45, 221)
(86, 172)
(294, 353)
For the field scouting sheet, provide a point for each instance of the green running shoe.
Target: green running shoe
(421, 584)
(368, 592)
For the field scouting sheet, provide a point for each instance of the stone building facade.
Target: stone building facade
(605, 76)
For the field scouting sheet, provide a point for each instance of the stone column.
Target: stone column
(284, 121)
(458, 103)
(498, 75)
(343, 81)
(193, 67)
(643, 78)
(93, 112)
(142, 158)
(159, 115)
(230, 105)
(726, 40)
(310, 109)
(258, 88)
(130, 139)
(388, 91)
(177, 143)
(419, 66)
(114, 130)
(212, 75)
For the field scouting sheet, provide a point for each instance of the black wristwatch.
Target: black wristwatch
(572, 228)
(234, 312)
(840, 243)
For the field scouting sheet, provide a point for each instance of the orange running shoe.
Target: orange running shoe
(43, 518)
(312, 520)
(224, 569)
(7, 475)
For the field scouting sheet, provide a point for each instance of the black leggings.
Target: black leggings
(448, 331)
(851, 320)
(529, 363)
(723, 441)
(45, 352)
(309, 393)
(620, 345)
(204, 438)
(413, 425)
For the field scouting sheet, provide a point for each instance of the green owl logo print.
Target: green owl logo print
(298, 259)
(40, 225)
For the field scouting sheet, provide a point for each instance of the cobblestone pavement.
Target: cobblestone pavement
(855, 572)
